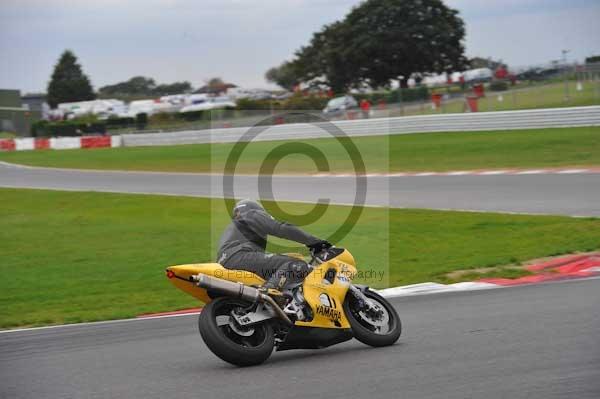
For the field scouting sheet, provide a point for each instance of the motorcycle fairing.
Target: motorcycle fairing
(185, 272)
(324, 289)
(301, 337)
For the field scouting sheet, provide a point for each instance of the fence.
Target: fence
(573, 87)
(526, 119)
(507, 120)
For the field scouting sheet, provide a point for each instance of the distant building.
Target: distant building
(36, 102)
(14, 116)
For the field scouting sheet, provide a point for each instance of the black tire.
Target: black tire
(226, 344)
(365, 332)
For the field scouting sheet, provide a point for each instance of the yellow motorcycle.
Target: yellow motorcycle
(242, 324)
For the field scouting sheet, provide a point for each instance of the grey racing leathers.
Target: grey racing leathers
(243, 243)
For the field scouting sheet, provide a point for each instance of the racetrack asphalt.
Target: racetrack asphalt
(539, 341)
(561, 194)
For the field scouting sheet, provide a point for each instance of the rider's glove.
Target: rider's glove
(319, 246)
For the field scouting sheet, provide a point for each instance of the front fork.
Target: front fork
(365, 304)
(362, 301)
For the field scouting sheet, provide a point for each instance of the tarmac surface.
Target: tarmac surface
(537, 341)
(561, 194)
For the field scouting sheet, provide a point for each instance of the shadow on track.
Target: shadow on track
(341, 353)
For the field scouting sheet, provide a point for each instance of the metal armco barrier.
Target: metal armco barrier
(501, 120)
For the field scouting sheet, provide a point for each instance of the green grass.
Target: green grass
(522, 97)
(544, 96)
(70, 257)
(418, 152)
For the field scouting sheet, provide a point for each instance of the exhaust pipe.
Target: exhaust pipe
(238, 290)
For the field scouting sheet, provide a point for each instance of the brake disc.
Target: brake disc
(380, 320)
(243, 331)
(228, 320)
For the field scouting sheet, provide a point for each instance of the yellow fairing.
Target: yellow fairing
(324, 297)
(318, 291)
(184, 272)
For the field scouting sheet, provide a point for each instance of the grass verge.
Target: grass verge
(71, 257)
(521, 97)
(418, 152)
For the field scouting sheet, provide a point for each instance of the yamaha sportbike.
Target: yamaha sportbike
(242, 324)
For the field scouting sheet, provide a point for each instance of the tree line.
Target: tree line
(378, 42)
(69, 83)
(144, 86)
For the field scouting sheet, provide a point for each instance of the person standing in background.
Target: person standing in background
(365, 106)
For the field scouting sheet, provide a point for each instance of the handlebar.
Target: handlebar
(314, 254)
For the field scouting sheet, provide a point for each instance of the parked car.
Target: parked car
(141, 107)
(209, 103)
(337, 107)
(478, 75)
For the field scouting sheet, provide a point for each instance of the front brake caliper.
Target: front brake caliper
(362, 300)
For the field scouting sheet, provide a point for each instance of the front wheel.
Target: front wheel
(377, 326)
(238, 345)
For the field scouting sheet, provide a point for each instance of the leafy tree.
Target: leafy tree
(383, 40)
(215, 86)
(68, 82)
(286, 76)
(138, 85)
(327, 59)
(592, 59)
(215, 82)
(173, 88)
(144, 86)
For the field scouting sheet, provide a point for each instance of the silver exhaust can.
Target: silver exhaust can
(236, 290)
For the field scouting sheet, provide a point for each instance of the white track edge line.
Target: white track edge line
(96, 323)
(474, 172)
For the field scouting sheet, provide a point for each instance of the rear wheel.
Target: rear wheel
(379, 325)
(238, 345)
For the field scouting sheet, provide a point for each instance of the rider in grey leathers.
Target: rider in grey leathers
(243, 243)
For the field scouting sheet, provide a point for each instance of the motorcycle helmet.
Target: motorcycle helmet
(246, 205)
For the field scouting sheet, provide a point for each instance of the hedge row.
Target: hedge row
(300, 102)
(66, 128)
(296, 102)
(84, 126)
(498, 85)
(396, 96)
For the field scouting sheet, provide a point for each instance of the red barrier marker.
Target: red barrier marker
(42, 144)
(95, 141)
(436, 99)
(7, 145)
(478, 90)
(472, 103)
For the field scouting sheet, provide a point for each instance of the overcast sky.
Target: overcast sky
(238, 40)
